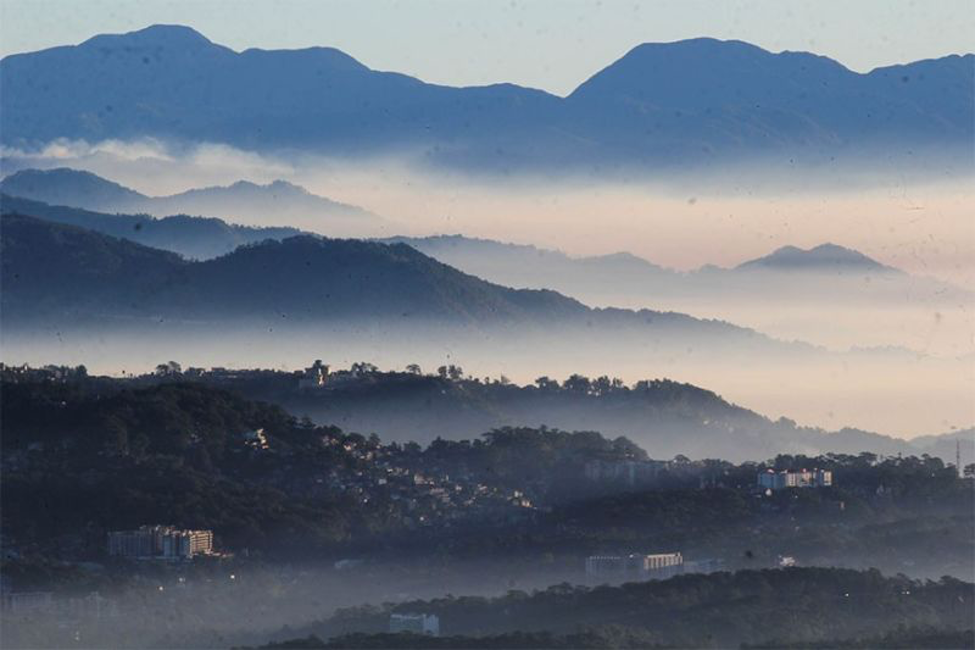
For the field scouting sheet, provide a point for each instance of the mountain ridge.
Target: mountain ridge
(827, 255)
(242, 201)
(58, 186)
(205, 237)
(289, 256)
(191, 237)
(51, 271)
(529, 265)
(733, 101)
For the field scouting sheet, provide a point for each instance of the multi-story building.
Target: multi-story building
(638, 566)
(187, 543)
(160, 542)
(771, 479)
(417, 623)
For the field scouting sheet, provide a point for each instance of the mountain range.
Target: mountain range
(191, 237)
(826, 258)
(277, 301)
(732, 100)
(787, 274)
(52, 270)
(279, 203)
(802, 277)
(827, 271)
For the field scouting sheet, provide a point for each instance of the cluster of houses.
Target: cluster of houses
(419, 491)
(421, 497)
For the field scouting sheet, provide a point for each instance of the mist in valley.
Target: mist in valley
(910, 217)
(890, 392)
(890, 343)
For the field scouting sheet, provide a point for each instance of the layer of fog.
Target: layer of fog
(914, 213)
(177, 607)
(889, 392)
(944, 331)
(900, 215)
(836, 307)
(217, 611)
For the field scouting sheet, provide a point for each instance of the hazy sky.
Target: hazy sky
(546, 44)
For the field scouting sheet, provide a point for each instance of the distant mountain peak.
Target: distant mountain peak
(827, 257)
(284, 186)
(60, 172)
(63, 185)
(707, 48)
(695, 102)
(323, 57)
(622, 260)
(158, 35)
(241, 201)
(714, 73)
(701, 43)
(275, 187)
(243, 185)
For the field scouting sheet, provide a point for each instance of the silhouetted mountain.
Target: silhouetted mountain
(471, 251)
(826, 258)
(173, 82)
(303, 276)
(192, 237)
(962, 434)
(724, 95)
(827, 270)
(351, 298)
(663, 103)
(50, 268)
(781, 294)
(279, 202)
(310, 280)
(71, 187)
